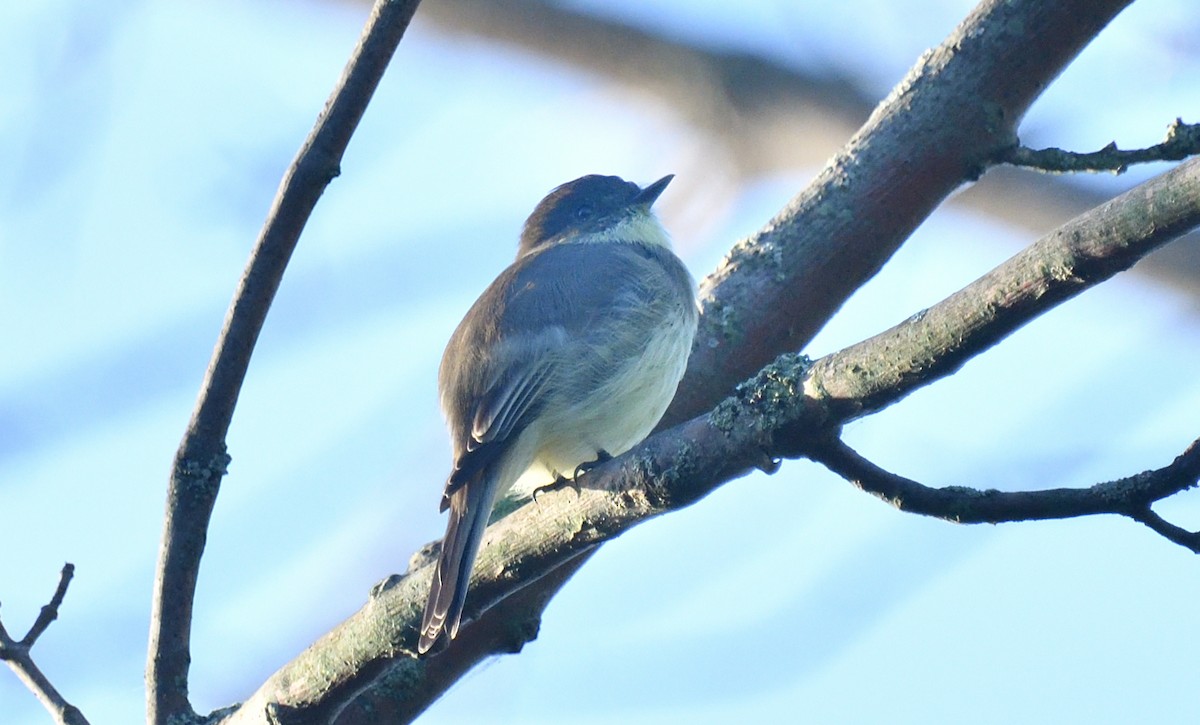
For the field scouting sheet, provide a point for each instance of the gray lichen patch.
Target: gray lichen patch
(769, 400)
(200, 475)
(723, 320)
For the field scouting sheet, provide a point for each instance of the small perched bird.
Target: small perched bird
(570, 356)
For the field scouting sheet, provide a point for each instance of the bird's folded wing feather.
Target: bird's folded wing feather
(539, 304)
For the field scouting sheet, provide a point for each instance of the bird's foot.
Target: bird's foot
(561, 481)
(602, 456)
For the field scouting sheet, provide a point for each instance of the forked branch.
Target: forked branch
(17, 654)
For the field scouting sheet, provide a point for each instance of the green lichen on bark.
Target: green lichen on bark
(769, 400)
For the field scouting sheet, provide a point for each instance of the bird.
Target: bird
(570, 356)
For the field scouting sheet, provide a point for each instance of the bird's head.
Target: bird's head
(596, 209)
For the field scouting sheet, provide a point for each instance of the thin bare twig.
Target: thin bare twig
(49, 613)
(1183, 140)
(19, 657)
(201, 460)
(1166, 529)
(1131, 496)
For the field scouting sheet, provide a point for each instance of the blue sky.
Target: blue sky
(142, 145)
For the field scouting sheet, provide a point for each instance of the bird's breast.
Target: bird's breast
(616, 412)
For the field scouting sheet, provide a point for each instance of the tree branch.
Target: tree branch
(787, 410)
(766, 114)
(1131, 496)
(504, 628)
(19, 657)
(1183, 140)
(1171, 532)
(798, 270)
(875, 373)
(201, 459)
(775, 290)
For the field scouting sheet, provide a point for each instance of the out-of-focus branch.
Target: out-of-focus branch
(1183, 140)
(19, 657)
(767, 116)
(201, 459)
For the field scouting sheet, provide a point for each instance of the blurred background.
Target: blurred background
(142, 144)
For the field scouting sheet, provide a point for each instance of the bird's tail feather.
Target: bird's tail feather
(470, 507)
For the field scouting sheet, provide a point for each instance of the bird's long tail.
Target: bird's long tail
(469, 507)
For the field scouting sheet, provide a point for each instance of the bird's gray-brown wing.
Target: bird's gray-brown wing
(493, 381)
(501, 360)
(498, 372)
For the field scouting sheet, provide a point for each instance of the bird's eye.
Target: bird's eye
(584, 212)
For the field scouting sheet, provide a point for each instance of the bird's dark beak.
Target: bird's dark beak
(647, 196)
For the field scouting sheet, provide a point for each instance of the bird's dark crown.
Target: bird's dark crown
(588, 204)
